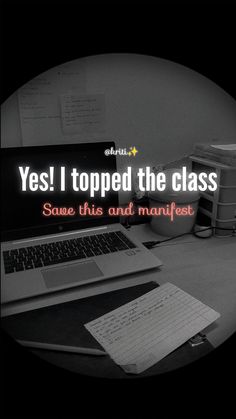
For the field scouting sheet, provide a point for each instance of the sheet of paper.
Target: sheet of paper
(228, 147)
(83, 113)
(39, 104)
(139, 334)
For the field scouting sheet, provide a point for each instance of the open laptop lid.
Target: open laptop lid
(21, 212)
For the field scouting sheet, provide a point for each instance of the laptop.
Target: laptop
(47, 255)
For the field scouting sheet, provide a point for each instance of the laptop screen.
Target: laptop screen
(22, 211)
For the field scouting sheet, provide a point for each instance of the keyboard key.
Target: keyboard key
(29, 266)
(48, 262)
(122, 247)
(38, 264)
(9, 270)
(97, 252)
(89, 253)
(19, 267)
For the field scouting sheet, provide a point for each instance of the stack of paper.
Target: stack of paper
(222, 153)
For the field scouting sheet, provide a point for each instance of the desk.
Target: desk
(204, 268)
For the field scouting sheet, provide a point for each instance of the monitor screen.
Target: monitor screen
(22, 211)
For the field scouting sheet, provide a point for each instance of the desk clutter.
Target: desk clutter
(218, 208)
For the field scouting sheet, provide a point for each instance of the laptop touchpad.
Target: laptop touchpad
(77, 272)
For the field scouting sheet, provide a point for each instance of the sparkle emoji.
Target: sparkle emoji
(133, 151)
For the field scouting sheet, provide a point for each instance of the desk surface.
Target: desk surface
(204, 268)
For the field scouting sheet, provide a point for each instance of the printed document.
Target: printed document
(83, 113)
(39, 104)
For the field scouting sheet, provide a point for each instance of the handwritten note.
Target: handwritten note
(39, 104)
(83, 113)
(139, 334)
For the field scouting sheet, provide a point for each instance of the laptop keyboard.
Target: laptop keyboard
(33, 257)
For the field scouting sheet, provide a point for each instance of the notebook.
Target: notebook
(140, 333)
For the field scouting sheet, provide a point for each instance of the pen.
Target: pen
(62, 348)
